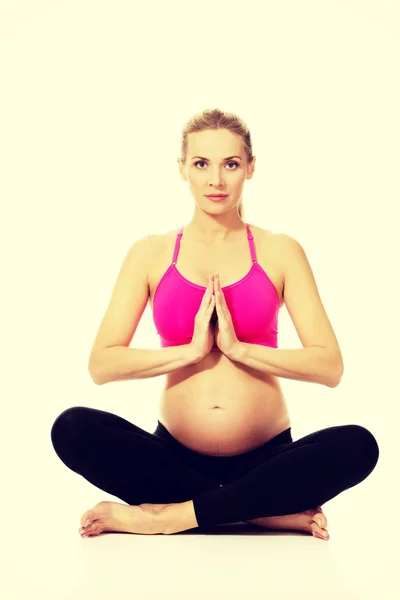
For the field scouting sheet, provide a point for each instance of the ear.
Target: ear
(181, 169)
(251, 168)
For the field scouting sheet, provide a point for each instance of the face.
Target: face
(208, 171)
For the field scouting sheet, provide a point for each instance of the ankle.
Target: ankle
(179, 517)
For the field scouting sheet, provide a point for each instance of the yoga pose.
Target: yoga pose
(222, 451)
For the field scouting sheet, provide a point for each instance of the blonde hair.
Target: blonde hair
(213, 118)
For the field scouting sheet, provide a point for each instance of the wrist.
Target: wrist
(193, 355)
(238, 352)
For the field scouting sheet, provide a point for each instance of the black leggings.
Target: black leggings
(278, 478)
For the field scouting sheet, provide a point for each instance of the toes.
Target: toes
(99, 511)
(87, 518)
(93, 529)
(95, 513)
(319, 531)
(320, 519)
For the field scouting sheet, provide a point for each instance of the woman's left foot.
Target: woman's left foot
(313, 521)
(113, 516)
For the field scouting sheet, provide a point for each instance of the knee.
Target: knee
(364, 445)
(67, 425)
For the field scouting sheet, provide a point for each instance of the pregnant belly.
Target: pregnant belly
(224, 420)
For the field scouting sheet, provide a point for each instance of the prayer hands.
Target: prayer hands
(225, 336)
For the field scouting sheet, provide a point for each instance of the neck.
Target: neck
(216, 233)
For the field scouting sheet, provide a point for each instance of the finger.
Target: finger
(219, 290)
(217, 307)
(216, 285)
(206, 295)
(211, 306)
(219, 297)
(216, 292)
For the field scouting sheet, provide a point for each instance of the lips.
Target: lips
(216, 195)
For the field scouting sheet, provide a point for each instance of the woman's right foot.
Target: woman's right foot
(303, 521)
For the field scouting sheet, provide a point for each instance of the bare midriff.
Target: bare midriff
(218, 406)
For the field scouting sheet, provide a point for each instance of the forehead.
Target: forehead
(214, 143)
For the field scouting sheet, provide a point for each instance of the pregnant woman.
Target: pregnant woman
(222, 451)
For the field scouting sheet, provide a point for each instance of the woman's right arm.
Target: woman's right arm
(111, 358)
(120, 363)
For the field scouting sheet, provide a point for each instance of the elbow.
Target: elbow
(94, 374)
(97, 381)
(336, 376)
(94, 378)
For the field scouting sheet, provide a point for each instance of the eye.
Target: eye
(232, 162)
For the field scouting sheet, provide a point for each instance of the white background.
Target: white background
(93, 98)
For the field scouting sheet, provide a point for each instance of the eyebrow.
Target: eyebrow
(227, 158)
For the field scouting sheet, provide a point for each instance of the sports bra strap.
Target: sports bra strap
(177, 245)
(251, 244)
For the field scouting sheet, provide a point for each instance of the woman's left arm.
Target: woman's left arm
(313, 364)
(320, 359)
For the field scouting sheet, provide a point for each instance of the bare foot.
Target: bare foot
(303, 521)
(113, 516)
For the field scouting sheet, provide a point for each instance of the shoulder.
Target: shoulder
(152, 246)
(159, 238)
(294, 261)
(153, 241)
(288, 242)
(284, 248)
(266, 238)
(283, 240)
(143, 249)
(158, 242)
(289, 250)
(289, 246)
(144, 244)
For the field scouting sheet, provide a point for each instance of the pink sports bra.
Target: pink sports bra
(253, 303)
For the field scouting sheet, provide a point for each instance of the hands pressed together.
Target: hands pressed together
(225, 335)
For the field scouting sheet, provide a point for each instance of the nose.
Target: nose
(216, 178)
